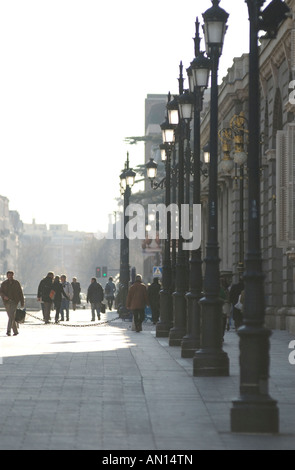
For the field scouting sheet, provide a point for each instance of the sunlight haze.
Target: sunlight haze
(74, 78)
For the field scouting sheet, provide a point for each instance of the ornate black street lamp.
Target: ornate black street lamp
(210, 359)
(255, 411)
(165, 323)
(238, 125)
(236, 133)
(127, 179)
(198, 74)
(151, 168)
(179, 302)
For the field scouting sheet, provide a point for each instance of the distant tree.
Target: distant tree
(156, 139)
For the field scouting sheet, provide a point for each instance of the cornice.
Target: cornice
(235, 91)
(233, 88)
(275, 52)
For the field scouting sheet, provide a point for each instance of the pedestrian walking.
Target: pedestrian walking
(12, 294)
(65, 301)
(137, 299)
(110, 290)
(154, 299)
(242, 300)
(95, 296)
(43, 295)
(58, 294)
(234, 294)
(76, 293)
(224, 295)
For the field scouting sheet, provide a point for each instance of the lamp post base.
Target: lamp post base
(255, 416)
(124, 313)
(162, 330)
(191, 341)
(176, 336)
(188, 347)
(165, 324)
(254, 411)
(211, 360)
(210, 363)
(177, 333)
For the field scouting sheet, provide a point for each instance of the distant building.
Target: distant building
(50, 249)
(277, 164)
(64, 246)
(10, 230)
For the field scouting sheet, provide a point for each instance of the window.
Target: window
(277, 116)
(285, 187)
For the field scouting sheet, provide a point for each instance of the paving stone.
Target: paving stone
(105, 387)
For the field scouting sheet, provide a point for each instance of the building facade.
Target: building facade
(53, 248)
(10, 231)
(277, 169)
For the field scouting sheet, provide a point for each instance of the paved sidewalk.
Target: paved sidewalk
(109, 388)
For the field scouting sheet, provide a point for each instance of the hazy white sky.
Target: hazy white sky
(74, 77)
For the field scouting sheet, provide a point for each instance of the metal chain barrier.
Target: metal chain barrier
(101, 323)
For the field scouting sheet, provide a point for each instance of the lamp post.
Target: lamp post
(255, 411)
(198, 74)
(179, 303)
(236, 133)
(185, 108)
(238, 123)
(152, 169)
(210, 359)
(165, 323)
(127, 179)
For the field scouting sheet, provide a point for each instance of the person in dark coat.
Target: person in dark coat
(234, 294)
(154, 299)
(44, 290)
(110, 290)
(136, 301)
(59, 292)
(76, 293)
(11, 293)
(95, 296)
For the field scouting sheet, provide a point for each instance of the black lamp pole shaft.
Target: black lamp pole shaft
(191, 342)
(125, 267)
(210, 359)
(254, 411)
(164, 325)
(179, 302)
